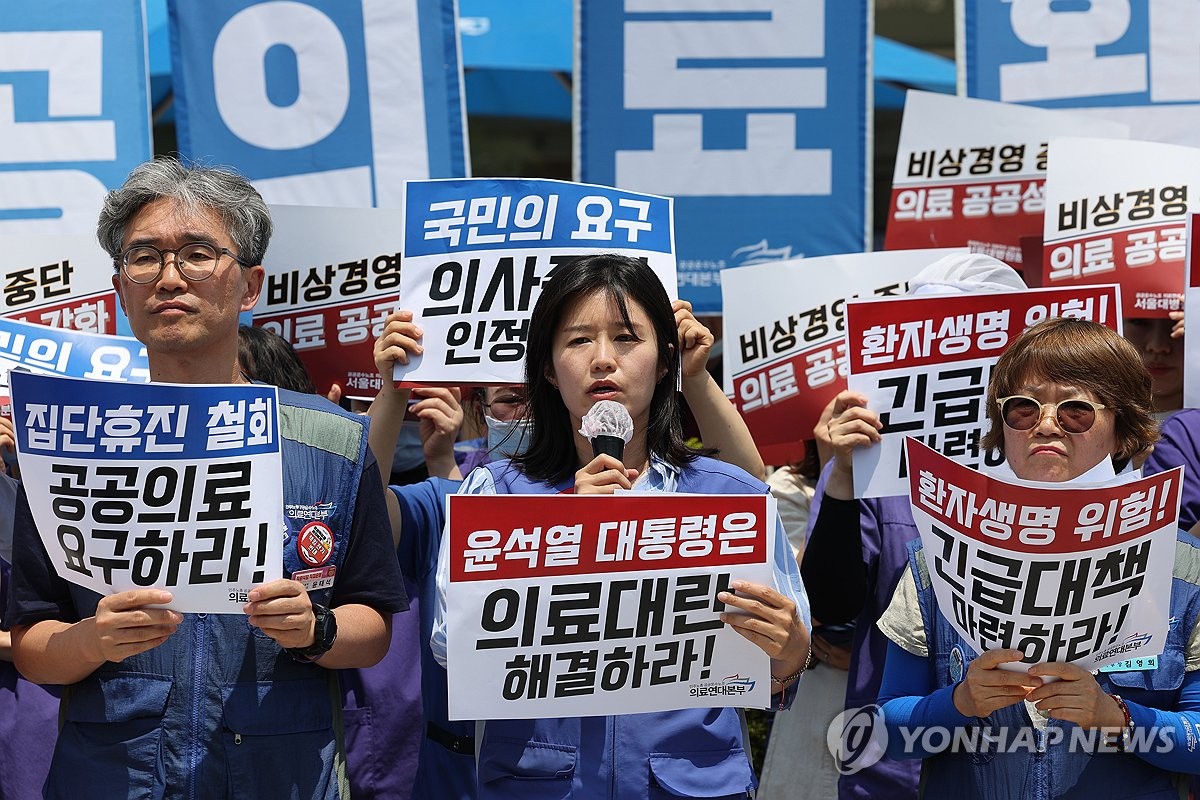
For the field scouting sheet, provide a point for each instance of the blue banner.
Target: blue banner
(508, 213)
(321, 102)
(1136, 61)
(76, 354)
(754, 118)
(74, 110)
(142, 421)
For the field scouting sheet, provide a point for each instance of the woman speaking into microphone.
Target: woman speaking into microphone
(603, 329)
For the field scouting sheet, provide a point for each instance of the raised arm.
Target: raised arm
(721, 426)
(400, 338)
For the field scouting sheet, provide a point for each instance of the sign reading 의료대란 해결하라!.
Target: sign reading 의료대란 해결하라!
(558, 605)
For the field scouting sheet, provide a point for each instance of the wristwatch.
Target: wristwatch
(324, 635)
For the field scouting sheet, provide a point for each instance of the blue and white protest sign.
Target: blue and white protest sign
(477, 253)
(175, 487)
(1135, 62)
(318, 102)
(752, 114)
(63, 281)
(75, 354)
(74, 110)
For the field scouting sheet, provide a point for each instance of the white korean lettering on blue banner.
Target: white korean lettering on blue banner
(751, 113)
(74, 354)
(74, 114)
(331, 104)
(1116, 55)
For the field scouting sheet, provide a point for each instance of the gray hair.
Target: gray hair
(194, 187)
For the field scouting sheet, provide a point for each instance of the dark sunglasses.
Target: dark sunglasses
(1022, 413)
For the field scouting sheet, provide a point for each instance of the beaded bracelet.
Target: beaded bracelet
(1126, 731)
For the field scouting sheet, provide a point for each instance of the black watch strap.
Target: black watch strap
(324, 635)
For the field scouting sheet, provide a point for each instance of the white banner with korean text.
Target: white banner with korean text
(924, 364)
(1116, 212)
(785, 352)
(333, 276)
(1078, 574)
(158, 485)
(569, 605)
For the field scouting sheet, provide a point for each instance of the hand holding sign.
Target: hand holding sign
(1073, 695)
(125, 625)
(769, 621)
(988, 687)
(282, 610)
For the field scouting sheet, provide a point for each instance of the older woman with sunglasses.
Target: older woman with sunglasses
(1068, 401)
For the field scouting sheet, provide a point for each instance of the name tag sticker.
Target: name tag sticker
(313, 579)
(1133, 665)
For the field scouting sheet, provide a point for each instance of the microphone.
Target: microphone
(609, 427)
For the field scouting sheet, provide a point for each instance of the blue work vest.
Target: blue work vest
(1053, 769)
(697, 752)
(219, 710)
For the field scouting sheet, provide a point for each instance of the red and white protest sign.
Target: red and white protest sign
(1116, 212)
(566, 605)
(785, 351)
(924, 365)
(972, 172)
(1078, 574)
(333, 276)
(59, 281)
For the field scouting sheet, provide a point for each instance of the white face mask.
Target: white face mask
(507, 439)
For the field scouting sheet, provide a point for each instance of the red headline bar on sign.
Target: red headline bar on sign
(1036, 520)
(919, 331)
(496, 537)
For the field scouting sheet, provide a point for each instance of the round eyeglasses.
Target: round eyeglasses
(1023, 413)
(196, 261)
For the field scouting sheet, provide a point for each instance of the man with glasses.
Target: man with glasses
(170, 705)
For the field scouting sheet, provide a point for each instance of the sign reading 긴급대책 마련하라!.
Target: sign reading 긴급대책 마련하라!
(332, 279)
(1134, 62)
(574, 605)
(1078, 574)
(158, 485)
(1123, 223)
(971, 173)
(785, 353)
(477, 252)
(924, 364)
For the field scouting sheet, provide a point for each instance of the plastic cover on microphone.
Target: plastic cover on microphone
(609, 428)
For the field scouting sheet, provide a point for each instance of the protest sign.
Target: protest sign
(159, 485)
(333, 276)
(971, 173)
(478, 251)
(61, 281)
(1124, 223)
(790, 355)
(924, 363)
(1078, 574)
(570, 605)
(55, 351)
